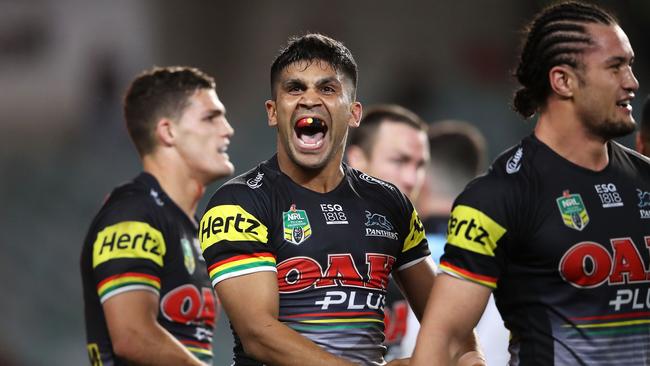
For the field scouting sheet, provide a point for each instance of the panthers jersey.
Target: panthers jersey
(332, 252)
(140, 240)
(566, 250)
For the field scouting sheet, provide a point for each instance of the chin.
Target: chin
(612, 130)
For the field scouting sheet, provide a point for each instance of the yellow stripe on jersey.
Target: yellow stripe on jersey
(473, 230)
(416, 232)
(231, 223)
(129, 239)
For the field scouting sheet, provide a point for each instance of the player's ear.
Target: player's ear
(563, 80)
(356, 111)
(271, 112)
(356, 157)
(165, 132)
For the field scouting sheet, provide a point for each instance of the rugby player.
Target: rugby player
(148, 299)
(559, 226)
(391, 144)
(300, 248)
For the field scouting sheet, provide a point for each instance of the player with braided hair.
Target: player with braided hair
(558, 227)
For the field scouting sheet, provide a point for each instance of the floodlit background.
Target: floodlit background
(64, 65)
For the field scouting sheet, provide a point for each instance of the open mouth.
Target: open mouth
(625, 104)
(311, 131)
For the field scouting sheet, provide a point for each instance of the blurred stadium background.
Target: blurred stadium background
(65, 64)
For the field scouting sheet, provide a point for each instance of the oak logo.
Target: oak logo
(589, 264)
(231, 223)
(129, 239)
(473, 230)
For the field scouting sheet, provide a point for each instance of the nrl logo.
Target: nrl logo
(573, 211)
(188, 255)
(256, 182)
(296, 225)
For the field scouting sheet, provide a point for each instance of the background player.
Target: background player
(147, 296)
(391, 144)
(332, 234)
(556, 227)
(458, 154)
(643, 135)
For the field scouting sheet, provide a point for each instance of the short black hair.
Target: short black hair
(556, 36)
(156, 93)
(312, 47)
(458, 146)
(365, 135)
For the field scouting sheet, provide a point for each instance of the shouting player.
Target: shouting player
(300, 248)
(559, 228)
(148, 299)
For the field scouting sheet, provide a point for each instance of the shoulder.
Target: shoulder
(250, 188)
(131, 202)
(629, 159)
(372, 187)
(498, 198)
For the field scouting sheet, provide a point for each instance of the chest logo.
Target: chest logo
(644, 203)
(378, 225)
(188, 255)
(573, 211)
(609, 195)
(296, 225)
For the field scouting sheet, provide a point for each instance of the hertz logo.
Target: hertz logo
(231, 223)
(416, 232)
(129, 239)
(473, 230)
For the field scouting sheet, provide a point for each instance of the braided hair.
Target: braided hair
(557, 35)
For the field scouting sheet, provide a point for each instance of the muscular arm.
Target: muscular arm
(251, 302)
(416, 282)
(454, 308)
(137, 336)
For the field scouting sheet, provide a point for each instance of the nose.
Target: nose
(310, 99)
(630, 83)
(228, 130)
(409, 179)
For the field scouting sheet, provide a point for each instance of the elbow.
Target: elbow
(255, 341)
(126, 345)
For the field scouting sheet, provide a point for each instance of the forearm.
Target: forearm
(152, 345)
(274, 343)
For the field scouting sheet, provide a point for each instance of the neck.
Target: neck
(177, 182)
(562, 130)
(321, 180)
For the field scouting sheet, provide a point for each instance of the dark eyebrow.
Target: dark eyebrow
(215, 113)
(619, 60)
(328, 80)
(293, 82)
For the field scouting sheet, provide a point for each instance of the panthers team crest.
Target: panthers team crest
(573, 211)
(188, 255)
(296, 225)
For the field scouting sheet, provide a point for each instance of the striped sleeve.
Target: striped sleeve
(127, 281)
(476, 234)
(234, 235)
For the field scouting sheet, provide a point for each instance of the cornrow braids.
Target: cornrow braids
(557, 35)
